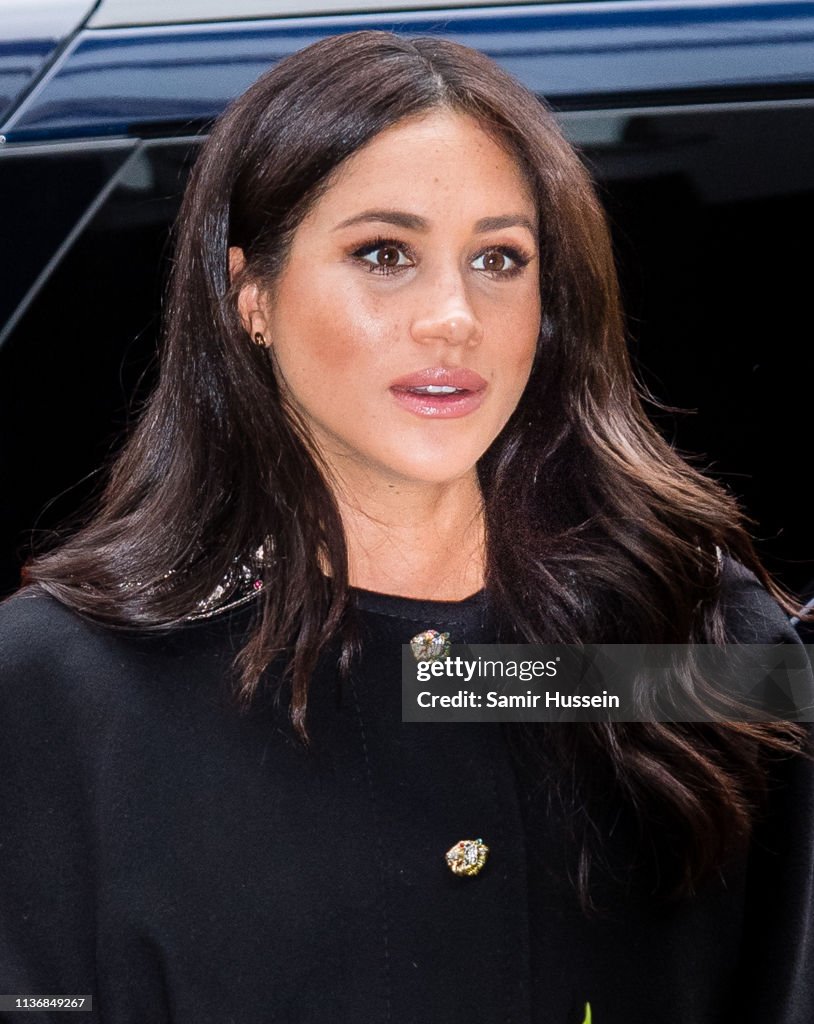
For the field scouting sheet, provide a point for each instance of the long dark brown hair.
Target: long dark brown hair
(597, 531)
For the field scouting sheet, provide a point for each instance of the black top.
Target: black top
(184, 863)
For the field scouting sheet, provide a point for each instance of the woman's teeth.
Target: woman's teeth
(436, 389)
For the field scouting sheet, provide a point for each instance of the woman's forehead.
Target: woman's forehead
(438, 165)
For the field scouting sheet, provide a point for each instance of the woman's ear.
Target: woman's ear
(249, 304)
(237, 261)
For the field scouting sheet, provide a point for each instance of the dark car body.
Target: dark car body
(695, 118)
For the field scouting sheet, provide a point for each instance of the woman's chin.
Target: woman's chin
(435, 472)
(437, 469)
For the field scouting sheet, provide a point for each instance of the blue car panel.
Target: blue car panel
(119, 81)
(29, 36)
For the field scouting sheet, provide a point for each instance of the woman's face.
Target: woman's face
(404, 325)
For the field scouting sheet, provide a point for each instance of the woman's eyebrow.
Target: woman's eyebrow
(508, 220)
(397, 217)
(413, 222)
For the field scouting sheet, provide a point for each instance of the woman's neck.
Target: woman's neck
(415, 539)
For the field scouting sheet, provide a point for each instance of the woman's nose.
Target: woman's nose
(447, 317)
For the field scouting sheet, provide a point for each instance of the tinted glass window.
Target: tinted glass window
(45, 191)
(709, 210)
(82, 355)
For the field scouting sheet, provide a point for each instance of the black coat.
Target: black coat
(182, 863)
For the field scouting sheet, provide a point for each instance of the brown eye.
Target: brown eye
(384, 256)
(494, 261)
(502, 263)
(387, 256)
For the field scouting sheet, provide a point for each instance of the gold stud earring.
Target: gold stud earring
(259, 339)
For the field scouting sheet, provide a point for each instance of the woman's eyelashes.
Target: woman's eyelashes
(384, 256)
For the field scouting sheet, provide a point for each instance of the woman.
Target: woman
(394, 396)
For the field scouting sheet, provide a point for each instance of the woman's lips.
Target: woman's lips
(440, 393)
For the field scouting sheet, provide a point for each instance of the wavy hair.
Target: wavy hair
(597, 531)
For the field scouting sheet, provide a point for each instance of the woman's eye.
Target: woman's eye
(383, 257)
(500, 261)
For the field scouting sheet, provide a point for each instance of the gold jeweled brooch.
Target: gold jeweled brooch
(467, 857)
